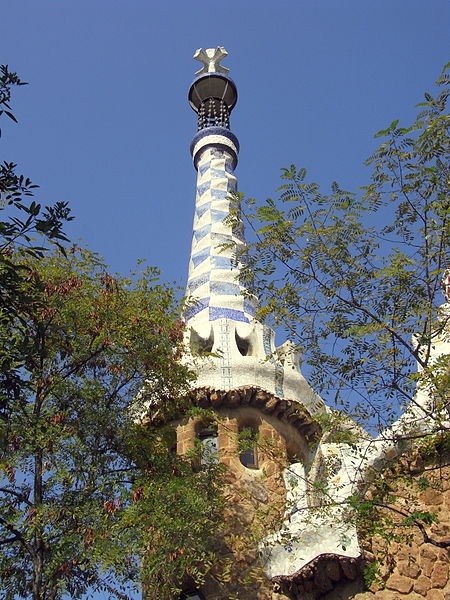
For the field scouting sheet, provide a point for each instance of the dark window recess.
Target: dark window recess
(248, 436)
(243, 345)
(201, 345)
(209, 441)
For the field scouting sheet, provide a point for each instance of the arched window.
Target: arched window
(209, 445)
(248, 437)
(243, 345)
(200, 345)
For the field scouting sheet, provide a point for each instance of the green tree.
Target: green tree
(355, 278)
(87, 492)
(23, 220)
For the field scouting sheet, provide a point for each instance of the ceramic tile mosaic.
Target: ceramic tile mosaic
(212, 270)
(223, 311)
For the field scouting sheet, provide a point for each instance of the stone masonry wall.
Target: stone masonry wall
(410, 567)
(255, 498)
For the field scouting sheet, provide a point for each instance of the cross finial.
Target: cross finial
(211, 58)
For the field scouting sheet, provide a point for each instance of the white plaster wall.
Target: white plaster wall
(308, 530)
(226, 368)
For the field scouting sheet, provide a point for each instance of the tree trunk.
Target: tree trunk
(38, 559)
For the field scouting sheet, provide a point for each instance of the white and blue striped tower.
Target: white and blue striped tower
(252, 384)
(229, 347)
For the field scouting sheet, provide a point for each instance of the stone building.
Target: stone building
(285, 538)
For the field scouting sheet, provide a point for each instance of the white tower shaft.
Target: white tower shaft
(213, 270)
(229, 348)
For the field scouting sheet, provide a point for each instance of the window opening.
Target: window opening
(248, 437)
(209, 442)
(243, 345)
(200, 345)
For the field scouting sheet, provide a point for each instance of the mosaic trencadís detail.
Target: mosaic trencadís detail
(213, 271)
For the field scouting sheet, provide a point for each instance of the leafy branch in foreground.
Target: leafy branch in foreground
(355, 278)
(86, 492)
(8, 79)
(16, 189)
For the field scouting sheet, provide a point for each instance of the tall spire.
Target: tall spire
(213, 274)
(231, 348)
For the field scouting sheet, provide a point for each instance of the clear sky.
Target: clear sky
(105, 124)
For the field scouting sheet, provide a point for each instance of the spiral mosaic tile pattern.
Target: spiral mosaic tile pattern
(212, 270)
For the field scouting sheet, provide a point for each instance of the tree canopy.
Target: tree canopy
(355, 277)
(91, 498)
(87, 490)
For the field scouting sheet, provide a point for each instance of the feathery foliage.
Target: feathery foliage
(356, 277)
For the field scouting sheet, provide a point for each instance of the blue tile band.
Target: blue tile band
(213, 269)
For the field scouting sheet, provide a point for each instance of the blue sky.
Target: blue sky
(105, 124)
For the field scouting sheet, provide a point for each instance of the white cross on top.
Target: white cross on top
(211, 58)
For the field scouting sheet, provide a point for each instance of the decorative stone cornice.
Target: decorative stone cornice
(287, 411)
(319, 576)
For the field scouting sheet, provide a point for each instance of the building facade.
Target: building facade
(266, 432)
(289, 530)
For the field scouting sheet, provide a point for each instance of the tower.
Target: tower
(255, 388)
(221, 320)
(291, 528)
